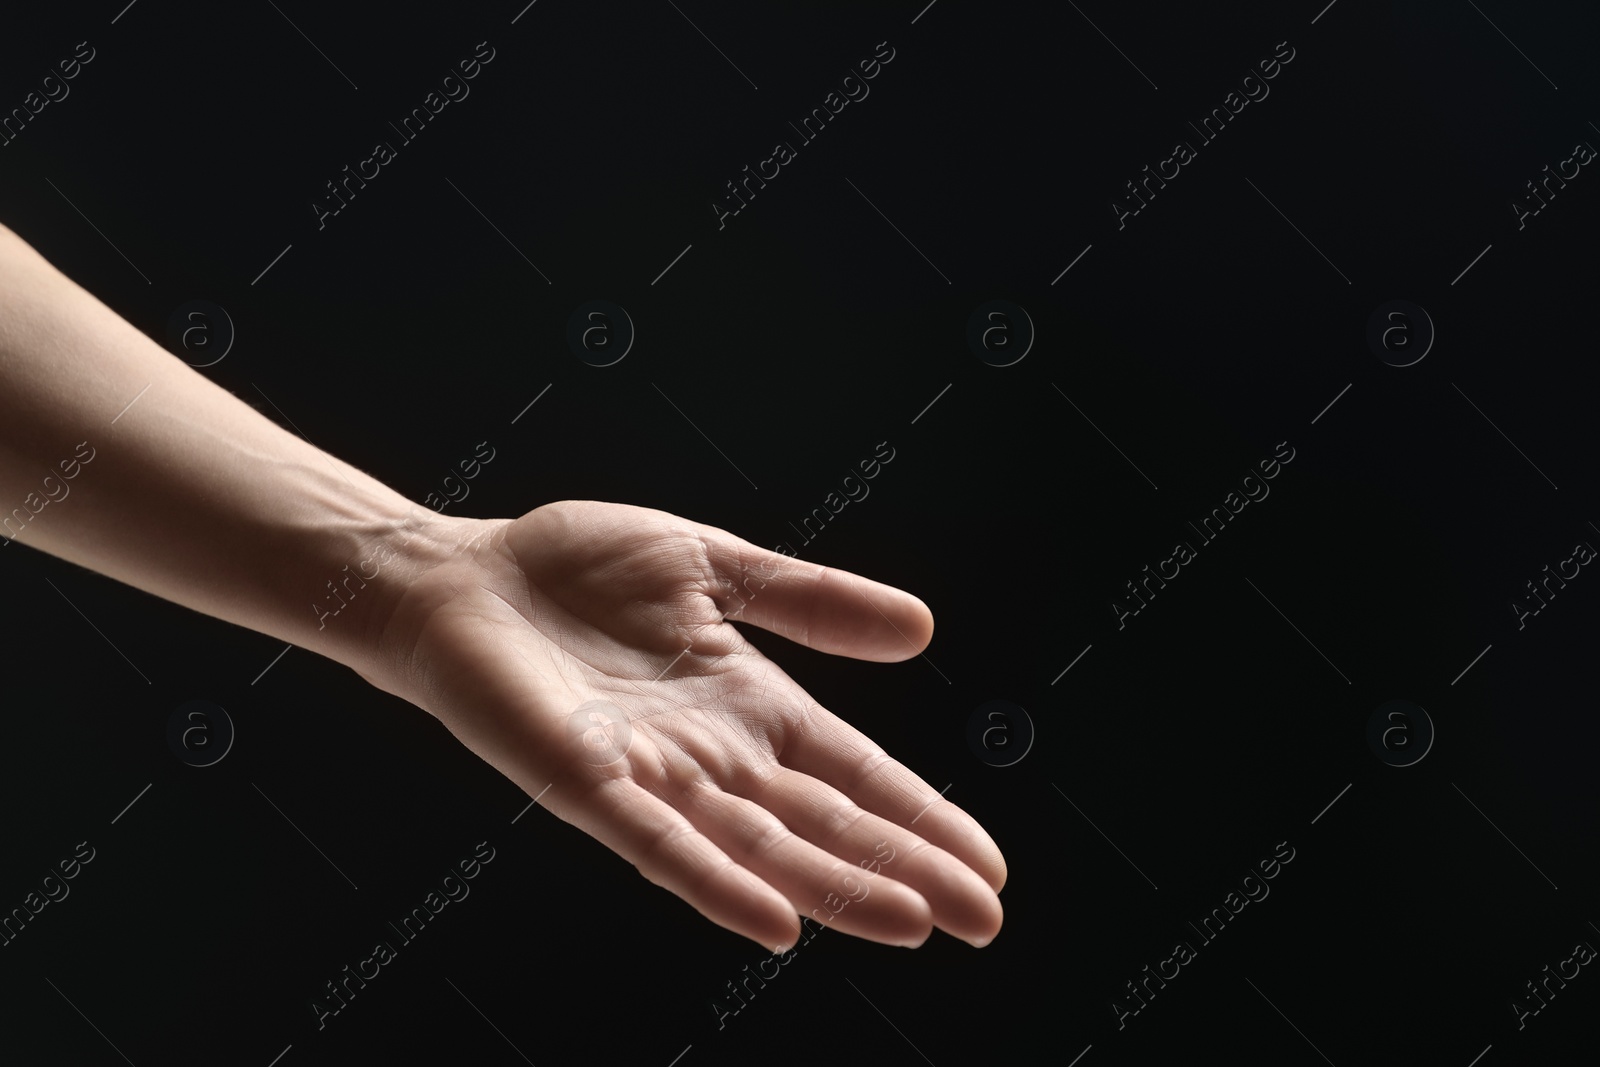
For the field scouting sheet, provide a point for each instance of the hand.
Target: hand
(582, 651)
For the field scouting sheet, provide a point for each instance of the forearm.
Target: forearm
(118, 456)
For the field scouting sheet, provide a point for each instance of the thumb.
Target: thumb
(823, 608)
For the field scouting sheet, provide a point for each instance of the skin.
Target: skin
(586, 650)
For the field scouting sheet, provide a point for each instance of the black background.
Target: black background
(797, 338)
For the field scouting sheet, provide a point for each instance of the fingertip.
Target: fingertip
(957, 832)
(923, 637)
(759, 912)
(917, 939)
(982, 854)
(924, 922)
(918, 942)
(997, 871)
(989, 927)
(910, 626)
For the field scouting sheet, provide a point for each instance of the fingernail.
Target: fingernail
(979, 942)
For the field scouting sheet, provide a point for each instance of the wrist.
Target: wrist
(361, 570)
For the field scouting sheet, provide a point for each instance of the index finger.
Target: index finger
(829, 749)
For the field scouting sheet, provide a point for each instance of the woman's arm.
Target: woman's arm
(119, 457)
(584, 649)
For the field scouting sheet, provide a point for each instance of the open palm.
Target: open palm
(586, 650)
